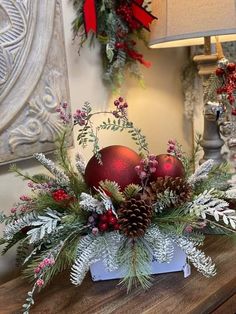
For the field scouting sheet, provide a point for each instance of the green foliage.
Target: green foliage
(64, 252)
(165, 200)
(10, 243)
(116, 62)
(23, 250)
(174, 221)
(42, 178)
(134, 259)
(45, 200)
(24, 176)
(190, 162)
(132, 190)
(217, 178)
(77, 184)
(113, 190)
(123, 124)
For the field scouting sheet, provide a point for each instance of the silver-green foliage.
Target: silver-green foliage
(16, 226)
(93, 248)
(43, 225)
(160, 243)
(198, 258)
(208, 204)
(87, 250)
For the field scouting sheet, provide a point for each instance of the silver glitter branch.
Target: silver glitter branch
(87, 253)
(160, 244)
(60, 177)
(198, 258)
(17, 225)
(207, 204)
(201, 172)
(80, 163)
(109, 247)
(91, 204)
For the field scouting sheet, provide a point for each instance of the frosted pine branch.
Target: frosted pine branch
(198, 258)
(201, 172)
(165, 200)
(91, 204)
(207, 204)
(16, 226)
(60, 176)
(43, 225)
(160, 244)
(80, 163)
(109, 246)
(86, 255)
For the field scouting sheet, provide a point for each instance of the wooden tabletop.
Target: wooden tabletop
(170, 293)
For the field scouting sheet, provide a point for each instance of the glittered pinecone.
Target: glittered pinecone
(177, 187)
(135, 217)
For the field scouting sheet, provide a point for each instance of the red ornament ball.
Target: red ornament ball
(168, 165)
(118, 164)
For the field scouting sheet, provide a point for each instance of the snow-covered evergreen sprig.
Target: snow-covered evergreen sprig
(160, 243)
(91, 204)
(18, 224)
(80, 163)
(109, 246)
(43, 225)
(198, 258)
(201, 172)
(61, 178)
(87, 250)
(208, 204)
(165, 200)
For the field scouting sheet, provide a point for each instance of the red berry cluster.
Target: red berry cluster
(60, 195)
(126, 13)
(227, 73)
(108, 222)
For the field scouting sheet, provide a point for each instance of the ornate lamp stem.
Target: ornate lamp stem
(212, 141)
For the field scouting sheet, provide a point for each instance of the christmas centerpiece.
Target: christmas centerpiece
(117, 26)
(122, 208)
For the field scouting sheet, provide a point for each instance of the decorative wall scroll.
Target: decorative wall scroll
(33, 76)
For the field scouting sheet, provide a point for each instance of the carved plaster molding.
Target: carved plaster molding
(42, 123)
(33, 76)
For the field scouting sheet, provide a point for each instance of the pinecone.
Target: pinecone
(178, 189)
(135, 216)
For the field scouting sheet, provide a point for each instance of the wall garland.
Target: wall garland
(117, 26)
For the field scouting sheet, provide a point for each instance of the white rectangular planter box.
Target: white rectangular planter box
(178, 263)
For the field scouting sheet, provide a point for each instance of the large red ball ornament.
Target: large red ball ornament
(118, 164)
(168, 165)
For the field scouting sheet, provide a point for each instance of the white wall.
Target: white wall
(157, 109)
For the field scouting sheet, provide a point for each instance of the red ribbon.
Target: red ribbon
(144, 17)
(90, 16)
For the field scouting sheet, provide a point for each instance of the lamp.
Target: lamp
(186, 23)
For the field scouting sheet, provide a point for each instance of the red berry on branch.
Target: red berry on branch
(112, 220)
(109, 212)
(116, 227)
(103, 226)
(220, 72)
(233, 112)
(103, 218)
(231, 67)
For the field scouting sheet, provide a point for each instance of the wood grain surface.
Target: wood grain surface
(170, 293)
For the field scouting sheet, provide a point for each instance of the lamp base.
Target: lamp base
(212, 141)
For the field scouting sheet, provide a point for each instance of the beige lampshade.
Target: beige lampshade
(186, 22)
